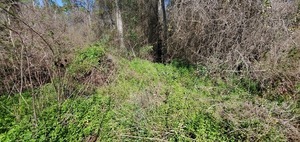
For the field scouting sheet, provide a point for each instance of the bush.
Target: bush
(91, 67)
(238, 37)
(34, 40)
(150, 101)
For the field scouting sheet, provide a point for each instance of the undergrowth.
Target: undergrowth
(148, 102)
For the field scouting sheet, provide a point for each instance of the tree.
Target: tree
(119, 25)
(165, 26)
(154, 27)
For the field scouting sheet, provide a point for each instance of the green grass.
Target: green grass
(145, 102)
(85, 59)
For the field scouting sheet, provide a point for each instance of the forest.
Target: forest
(149, 70)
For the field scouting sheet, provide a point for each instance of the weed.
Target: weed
(151, 102)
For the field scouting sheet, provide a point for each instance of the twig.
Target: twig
(145, 138)
(46, 42)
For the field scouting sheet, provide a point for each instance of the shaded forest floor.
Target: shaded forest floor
(139, 100)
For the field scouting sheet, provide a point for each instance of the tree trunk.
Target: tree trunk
(163, 18)
(153, 29)
(165, 29)
(119, 25)
(88, 10)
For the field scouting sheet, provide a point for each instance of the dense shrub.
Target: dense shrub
(150, 101)
(34, 40)
(252, 38)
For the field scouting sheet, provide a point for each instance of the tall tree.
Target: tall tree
(154, 27)
(165, 26)
(119, 25)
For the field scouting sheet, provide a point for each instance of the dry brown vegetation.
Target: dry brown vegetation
(256, 38)
(38, 39)
(244, 57)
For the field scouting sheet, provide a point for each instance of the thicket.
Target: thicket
(233, 66)
(252, 39)
(36, 42)
(149, 102)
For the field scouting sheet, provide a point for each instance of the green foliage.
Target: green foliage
(267, 3)
(147, 102)
(15, 117)
(72, 121)
(7, 116)
(86, 58)
(202, 126)
(248, 85)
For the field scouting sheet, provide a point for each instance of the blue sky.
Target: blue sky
(167, 2)
(59, 2)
